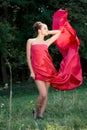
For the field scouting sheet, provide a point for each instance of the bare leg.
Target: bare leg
(42, 99)
(43, 107)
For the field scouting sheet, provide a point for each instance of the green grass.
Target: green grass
(66, 110)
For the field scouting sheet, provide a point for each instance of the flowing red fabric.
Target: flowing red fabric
(69, 75)
(68, 44)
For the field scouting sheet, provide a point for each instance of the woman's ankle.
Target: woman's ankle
(35, 114)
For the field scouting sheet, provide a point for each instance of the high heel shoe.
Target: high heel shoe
(34, 115)
(41, 118)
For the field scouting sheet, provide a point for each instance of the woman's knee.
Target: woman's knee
(44, 95)
(42, 88)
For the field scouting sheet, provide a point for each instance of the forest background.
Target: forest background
(16, 20)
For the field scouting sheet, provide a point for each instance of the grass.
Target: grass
(66, 110)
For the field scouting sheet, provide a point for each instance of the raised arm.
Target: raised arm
(55, 34)
(28, 50)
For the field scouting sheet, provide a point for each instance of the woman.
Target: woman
(69, 75)
(40, 64)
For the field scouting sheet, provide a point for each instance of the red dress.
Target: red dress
(69, 75)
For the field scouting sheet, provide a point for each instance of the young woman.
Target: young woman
(42, 70)
(40, 64)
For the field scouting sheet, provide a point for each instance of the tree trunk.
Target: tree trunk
(4, 70)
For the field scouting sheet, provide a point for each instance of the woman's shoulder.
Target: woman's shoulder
(31, 39)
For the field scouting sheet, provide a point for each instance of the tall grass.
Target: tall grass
(66, 110)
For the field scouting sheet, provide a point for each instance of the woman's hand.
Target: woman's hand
(32, 75)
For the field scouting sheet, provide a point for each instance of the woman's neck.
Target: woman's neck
(40, 37)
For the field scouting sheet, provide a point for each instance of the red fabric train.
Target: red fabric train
(68, 44)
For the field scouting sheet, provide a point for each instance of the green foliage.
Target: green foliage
(77, 16)
(5, 38)
(4, 3)
(22, 3)
(84, 1)
(17, 18)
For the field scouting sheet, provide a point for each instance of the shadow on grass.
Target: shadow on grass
(20, 89)
(26, 88)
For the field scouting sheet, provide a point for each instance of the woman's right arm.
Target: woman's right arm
(55, 34)
(28, 51)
